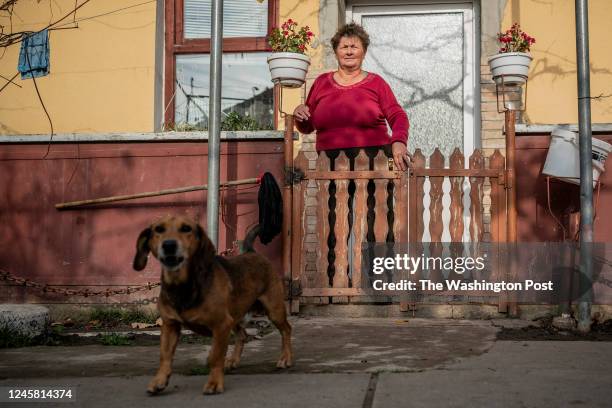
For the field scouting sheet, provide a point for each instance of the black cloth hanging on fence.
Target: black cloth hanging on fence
(270, 203)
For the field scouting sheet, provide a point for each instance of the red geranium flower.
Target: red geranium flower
(290, 38)
(515, 40)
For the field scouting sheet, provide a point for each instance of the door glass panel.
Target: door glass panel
(421, 57)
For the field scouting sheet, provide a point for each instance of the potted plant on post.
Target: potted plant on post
(288, 63)
(511, 65)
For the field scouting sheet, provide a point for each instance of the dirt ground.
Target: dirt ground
(322, 345)
(543, 330)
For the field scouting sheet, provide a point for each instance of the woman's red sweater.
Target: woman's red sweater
(354, 115)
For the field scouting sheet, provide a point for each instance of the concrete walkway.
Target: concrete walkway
(339, 363)
(321, 345)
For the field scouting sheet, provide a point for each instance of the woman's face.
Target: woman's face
(350, 53)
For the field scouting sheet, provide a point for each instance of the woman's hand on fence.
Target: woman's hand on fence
(302, 112)
(401, 157)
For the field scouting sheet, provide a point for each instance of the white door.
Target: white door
(426, 54)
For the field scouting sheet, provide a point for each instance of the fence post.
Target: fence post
(360, 210)
(341, 229)
(287, 227)
(498, 214)
(456, 206)
(298, 233)
(321, 279)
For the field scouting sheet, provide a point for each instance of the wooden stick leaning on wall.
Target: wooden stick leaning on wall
(111, 199)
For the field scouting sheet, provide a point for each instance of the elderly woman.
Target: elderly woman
(351, 107)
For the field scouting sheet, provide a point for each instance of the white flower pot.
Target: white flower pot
(512, 66)
(288, 68)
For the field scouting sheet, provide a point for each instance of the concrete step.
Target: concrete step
(24, 320)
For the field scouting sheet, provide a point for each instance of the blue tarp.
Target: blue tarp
(34, 55)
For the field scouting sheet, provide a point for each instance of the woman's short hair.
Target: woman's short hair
(351, 30)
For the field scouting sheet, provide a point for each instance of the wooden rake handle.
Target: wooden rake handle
(111, 199)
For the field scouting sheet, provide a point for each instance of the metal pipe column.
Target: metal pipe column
(586, 166)
(214, 121)
(510, 126)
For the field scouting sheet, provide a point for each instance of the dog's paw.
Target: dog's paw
(157, 385)
(284, 362)
(213, 387)
(231, 363)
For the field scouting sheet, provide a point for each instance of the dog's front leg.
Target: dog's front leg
(170, 333)
(216, 358)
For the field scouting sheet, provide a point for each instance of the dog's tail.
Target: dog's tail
(247, 244)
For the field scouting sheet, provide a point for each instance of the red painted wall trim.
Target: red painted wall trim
(95, 246)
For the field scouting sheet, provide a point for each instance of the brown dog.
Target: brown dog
(209, 295)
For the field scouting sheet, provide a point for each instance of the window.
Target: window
(247, 91)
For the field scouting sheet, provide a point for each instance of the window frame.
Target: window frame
(177, 44)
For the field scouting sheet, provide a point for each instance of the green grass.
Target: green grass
(199, 370)
(195, 339)
(113, 316)
(115, 339)
(232, 121)
(10, 339)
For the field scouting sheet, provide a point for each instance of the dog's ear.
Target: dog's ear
(206, 248)
(142, 249)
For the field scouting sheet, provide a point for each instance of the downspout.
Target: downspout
(214, 122)
(586, 166)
